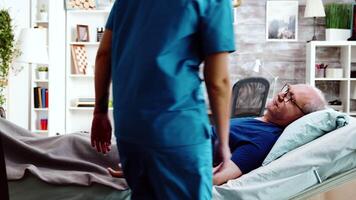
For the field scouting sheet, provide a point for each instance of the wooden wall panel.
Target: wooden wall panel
(283, 59)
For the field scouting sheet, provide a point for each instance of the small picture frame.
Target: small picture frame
(80, 59)
(82, 33)
(80, 4)
(282, 21)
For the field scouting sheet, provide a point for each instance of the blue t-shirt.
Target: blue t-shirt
(250, 141)
(157, 47)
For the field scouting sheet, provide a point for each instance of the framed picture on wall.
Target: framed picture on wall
(79, 59)
(82, 33)
(282, 21)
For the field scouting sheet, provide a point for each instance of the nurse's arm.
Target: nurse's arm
(218, 87)
(103, 73)
(101, 127)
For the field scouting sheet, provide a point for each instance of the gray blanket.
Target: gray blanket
(63, 160)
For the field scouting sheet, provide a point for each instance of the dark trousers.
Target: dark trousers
(4, 193)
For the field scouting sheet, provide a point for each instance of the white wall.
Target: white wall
(57, 62)
(18, 108)
(18, 91)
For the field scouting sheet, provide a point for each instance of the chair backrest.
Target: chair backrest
(4, 192)
(249, 97)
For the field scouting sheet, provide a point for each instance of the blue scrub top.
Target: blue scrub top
(250, 141)
(157, 47)
(250, 130)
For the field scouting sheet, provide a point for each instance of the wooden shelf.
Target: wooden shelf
(85, 43)
(81, 76)
(84, 108)
(40, 131)
(331, 79)
(76, 118)
(344, 84)
(41, 22)
(40, 109)
(40, 81)
(332, 43)
(89, 11)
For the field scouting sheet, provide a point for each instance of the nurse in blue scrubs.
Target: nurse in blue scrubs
(151, 51)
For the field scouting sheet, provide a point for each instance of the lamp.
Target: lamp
(33, 47)
(314, 8)
(256, 68)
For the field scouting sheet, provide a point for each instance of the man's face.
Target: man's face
(287, 105)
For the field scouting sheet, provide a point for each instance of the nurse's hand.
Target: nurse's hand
(101, 133)
(223, 157)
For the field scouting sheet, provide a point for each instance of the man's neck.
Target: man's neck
(264, 118)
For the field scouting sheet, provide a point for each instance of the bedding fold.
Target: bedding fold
(67, 159)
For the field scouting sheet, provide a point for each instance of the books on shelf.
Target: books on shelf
(85, 102)
(40, 97)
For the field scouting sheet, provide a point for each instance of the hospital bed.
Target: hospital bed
(325, 169)
(313, 168)
(32, 188)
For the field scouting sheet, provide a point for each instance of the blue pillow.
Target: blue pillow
(306, 129)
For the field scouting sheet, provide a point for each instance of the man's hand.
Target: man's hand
(101, 133)
(229, 171)
(116, 173)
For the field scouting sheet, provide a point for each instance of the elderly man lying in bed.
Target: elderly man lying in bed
(251, 139)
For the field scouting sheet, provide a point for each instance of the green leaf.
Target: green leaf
(7, 50)
(338, 15)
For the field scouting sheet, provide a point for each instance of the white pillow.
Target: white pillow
(304, 130)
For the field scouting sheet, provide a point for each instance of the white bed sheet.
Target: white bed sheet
(298, 170)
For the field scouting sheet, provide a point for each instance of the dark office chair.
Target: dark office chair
(249, 97)
(4, 192)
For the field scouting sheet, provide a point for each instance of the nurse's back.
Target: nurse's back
(156, 55)
(157, 47)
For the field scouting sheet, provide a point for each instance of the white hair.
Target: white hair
(317, 103)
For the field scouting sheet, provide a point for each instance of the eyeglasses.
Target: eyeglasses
(288, 97)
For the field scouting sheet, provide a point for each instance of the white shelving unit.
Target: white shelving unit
(38, 114)
(81, 85)
(345, 85)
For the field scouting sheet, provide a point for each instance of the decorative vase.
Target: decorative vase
(43, 16)
(320, 73)
(353, 37)
(42, 75)
(332, 34)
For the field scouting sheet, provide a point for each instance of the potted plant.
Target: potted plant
(338, 21)
(8, 52)
(42, 72)
(43, 13)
